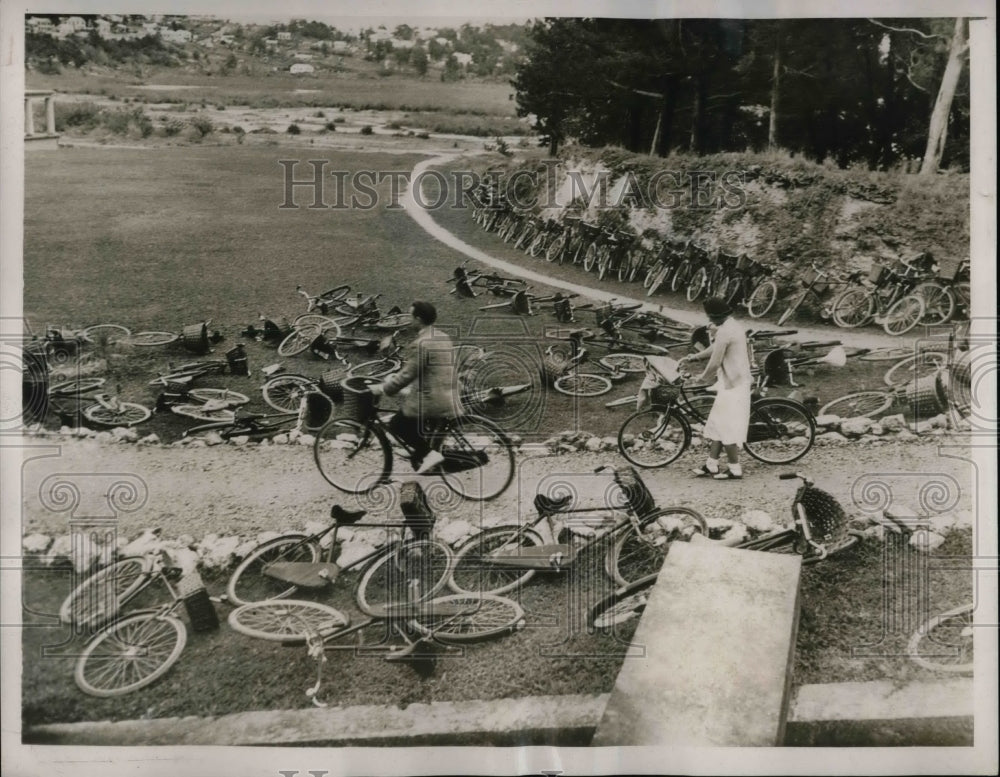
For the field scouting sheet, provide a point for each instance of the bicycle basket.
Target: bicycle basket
(195, 338)
(664, 394)
(357, 404)
(637, 496)
(318, 410)
(330, 384)
(922, 398)
(811, 276)
(825, 517)
(199, 606)
(878, 273)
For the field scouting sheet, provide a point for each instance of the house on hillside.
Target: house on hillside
(176, 36)
(463, 59)
(341, 47)
(301, 67)
(284, 36)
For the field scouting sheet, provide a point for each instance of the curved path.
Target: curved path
(423, 217)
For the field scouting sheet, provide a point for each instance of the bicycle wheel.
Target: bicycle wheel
(130, 653)
(654, 437)
(698, 406)
(636, 555)
(102, 595)
(862, 403)
(781, 431)
(393, 322)
(284, 392)
(582, 384)
(651, 273)
(697, 284)
(474, 573)
(623, 606)
(853, 308)
(118, 414)
(377, 368)
(762, 299)
(407, 572)
(297, 341)
(248, 583)
(538, 245)
(945, 642)
(681, 276)
(199, 413)
(624, 362)
(627, 266)
(468, 617)
(220, 395)
(105, 334)
(939, 304)
(525, 237)
(555, 249)
(328, 326)
(916, 366)
(590, 257)
(352, 457)
(149, 339)
(335, 294)
(289, 622)
(479, 459)
(792, 307)
(72, 388)
(903, 315)
(886, 354)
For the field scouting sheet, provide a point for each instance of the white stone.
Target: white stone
(104, 437)
(306, 440)
(36, 543)
(240, 441)
(150, 439)
(62, 547)
(219, 553)
(280, 439)
(942, 524)
(212, 438)
(593, 444)
(855, 427)
(831, 438)
(926, 541)
(717, 525)
(198, 444)
(892, 423)
(877, 429)
(354, 550)
(738, 533)
(146, 542)
(758, 520)
(125, 434)
(828, 420)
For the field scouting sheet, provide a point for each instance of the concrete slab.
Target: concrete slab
(537, 720)
(719, 634)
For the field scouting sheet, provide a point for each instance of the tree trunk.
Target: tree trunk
(553, 144)
(666, 120)
(697, 114)
(772, 124)
(937, 133)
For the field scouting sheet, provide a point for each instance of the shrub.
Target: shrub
(423, 135)
(220, 107)
(394, 125)
(367, 130)
(339, 120)
(319, 115)
(293, 129)
(83, 115)
(330, 126)
(202, 125)
(173, 127)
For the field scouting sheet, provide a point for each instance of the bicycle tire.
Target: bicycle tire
(150, 339)
(70, 388)
(624, 606)
(780, 431)
(913, 367)
(682, 276)
(352, 457)
(148, 644)
(853, 308)
(479, 458)
(792, 307)
(651, 273)
(697, 284)
(582, 384)
(627, 267)
(288, 621)
(335, 294)
(538, 245)
(376, 368)
(122, 414)
(555, 249)
(296, 341)
(886, 354)
(323, 324)
(762, 299)
(939, 303)
(199, 413)
(861, 403)
(391, 323)
(406, 573)
(659, 436)
(525, 237)
(789, 541)
(214, 394)
(488, 616)
(101, 596)
(624, 362)
(945, 642)
(248, 583)
(284, 392)
(633, 557)
(903, 315)
(470, 574)
(256, 428)
(105, 334)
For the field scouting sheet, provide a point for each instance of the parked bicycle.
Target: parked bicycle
(886, 299)
(70, 399)
(633, 530)
(354, 451)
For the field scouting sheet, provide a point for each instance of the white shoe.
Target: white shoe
(431, 460)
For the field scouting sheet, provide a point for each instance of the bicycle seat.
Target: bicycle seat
(340, 515)
(548, 506)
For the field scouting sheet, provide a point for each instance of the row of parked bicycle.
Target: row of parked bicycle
(898, 297)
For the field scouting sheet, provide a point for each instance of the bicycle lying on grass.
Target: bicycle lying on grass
(354, 452)
(820, 530)
(131, 650)
(636, 533)
(98, 407)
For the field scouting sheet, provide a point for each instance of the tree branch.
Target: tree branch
(637, 91)
(921, 33)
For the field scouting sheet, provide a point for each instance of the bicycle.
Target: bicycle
(561, 369)
(780, 430)
(661, 272)
(695, 257)
(819, 530)
(326, 301)
(711, 277)
(751, 287)
(410, 567)
(102, 408)
(944, 643)
(570, 243)
(59, 342)
(130, 651)
(354, 452)
(887, 301)
(187, 373)
(424, 627)
(203, 404)
(815, 284)
(947, 296)
(637, 534)
(253, 426)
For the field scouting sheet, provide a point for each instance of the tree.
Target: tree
(937, 132)
(418, 59)
(452, 71)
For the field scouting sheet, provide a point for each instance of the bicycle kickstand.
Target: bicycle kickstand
(316, 651)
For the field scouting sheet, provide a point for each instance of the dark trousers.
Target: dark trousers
(420, 434)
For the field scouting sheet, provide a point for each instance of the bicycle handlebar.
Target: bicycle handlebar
(789, 476)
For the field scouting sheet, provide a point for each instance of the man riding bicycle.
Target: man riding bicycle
(429, 372)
